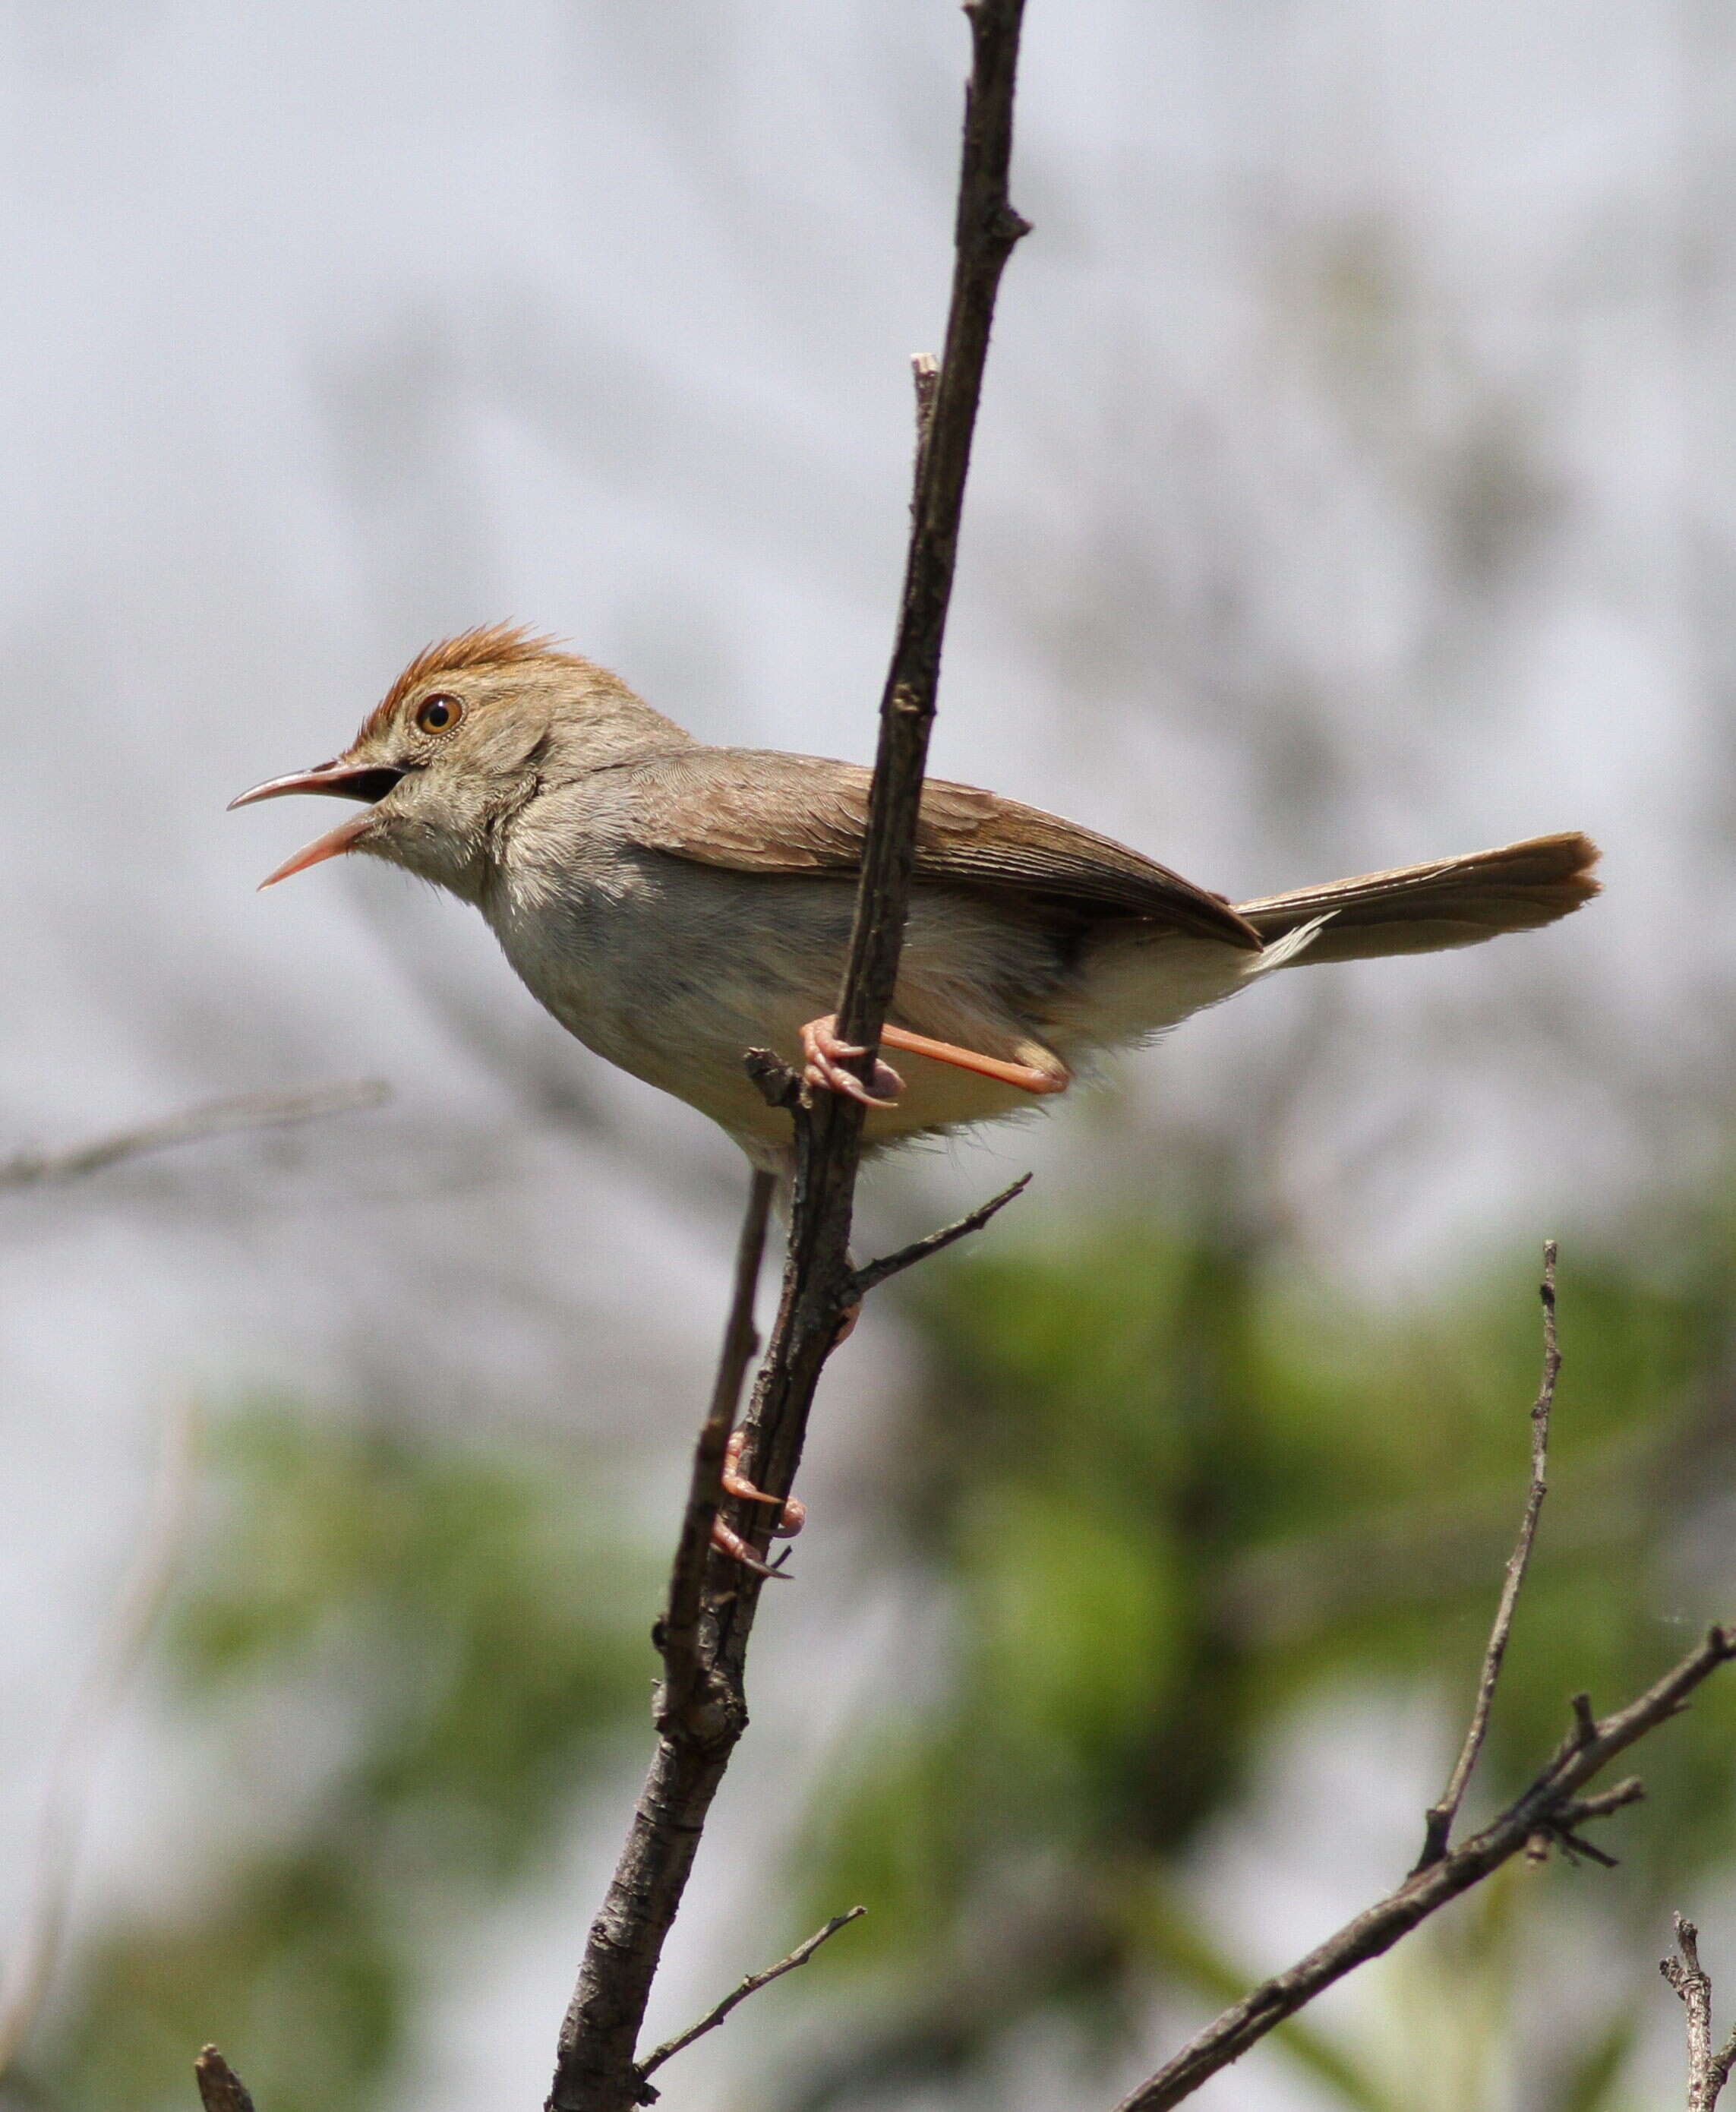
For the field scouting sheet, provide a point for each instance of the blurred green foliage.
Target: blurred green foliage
(1170, 1495)
(1162, 1496)
(417, 1652)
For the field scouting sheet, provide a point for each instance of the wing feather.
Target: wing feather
(757, 810)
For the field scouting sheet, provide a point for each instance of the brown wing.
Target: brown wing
(757, 811)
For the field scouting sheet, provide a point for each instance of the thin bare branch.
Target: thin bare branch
(925, 372)
(751, 1986)
(39, 1169)
(36, 1953)
(594, 2069)
(873, 1273)
(220, 2089)
(678, 1633)
(1707, 2072)
(1540, 1810)
(1439, 1828)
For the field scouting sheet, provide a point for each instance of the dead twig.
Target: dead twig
(751, 1986)
(595, 2070)
(873, 1273)
(1442, 1815)
(30, 1969)
(1549, 1806)
(41, 1169)
(1707, 2072)
(220, 2089)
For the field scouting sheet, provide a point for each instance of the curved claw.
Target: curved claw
(827, 1058)
(728, 1541)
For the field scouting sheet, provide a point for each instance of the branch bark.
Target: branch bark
(220, 2089)
(1707, 2072)
(595, 2069)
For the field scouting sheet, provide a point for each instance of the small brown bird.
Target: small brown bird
(674, 905)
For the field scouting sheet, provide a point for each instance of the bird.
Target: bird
(674, 904)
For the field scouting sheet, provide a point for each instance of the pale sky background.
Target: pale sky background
(1353, 485)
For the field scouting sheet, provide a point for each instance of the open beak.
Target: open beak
(345, 781)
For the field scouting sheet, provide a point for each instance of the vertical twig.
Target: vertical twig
(594, 2068)
(1441, 1816)
(220, 2089)
(1707, 2072)
(678, 1632)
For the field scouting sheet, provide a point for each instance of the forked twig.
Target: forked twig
(751, 1986)
(1550, 1803)
(1441, 1815)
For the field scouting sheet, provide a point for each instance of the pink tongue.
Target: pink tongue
(332, 844)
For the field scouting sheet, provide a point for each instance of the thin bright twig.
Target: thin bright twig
(1441, 1816)
(875, 1272)
(751, 1986)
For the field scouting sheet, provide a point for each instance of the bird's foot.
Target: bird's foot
(827, 1057)
(791, 1517)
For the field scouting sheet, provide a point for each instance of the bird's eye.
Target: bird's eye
(439, 713)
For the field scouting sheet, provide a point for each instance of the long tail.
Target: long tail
(1423, 908)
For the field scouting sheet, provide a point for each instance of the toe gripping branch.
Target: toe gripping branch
(783, 1088)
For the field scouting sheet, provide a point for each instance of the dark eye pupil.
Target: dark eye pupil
(437, 714)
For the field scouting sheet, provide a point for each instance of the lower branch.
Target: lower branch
(1550, 1810)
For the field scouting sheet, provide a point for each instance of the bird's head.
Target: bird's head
(472, 730)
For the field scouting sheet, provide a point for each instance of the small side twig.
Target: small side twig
(751, 1986)
(1438, 1829)
(677, 1635)
(40, 1169)
(1707, 2072)
(873, 1273)
(220, 2089)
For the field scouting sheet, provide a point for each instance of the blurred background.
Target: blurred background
(1353, 484)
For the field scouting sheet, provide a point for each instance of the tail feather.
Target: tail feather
(1424, 908)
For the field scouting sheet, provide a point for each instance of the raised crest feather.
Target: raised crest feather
(488, 645)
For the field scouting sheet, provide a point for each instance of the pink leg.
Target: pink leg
(825, 1055)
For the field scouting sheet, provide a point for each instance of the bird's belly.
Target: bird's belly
(675, 981)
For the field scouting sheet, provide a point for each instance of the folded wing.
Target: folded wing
(756, 811)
